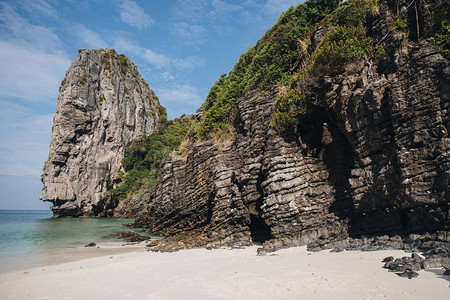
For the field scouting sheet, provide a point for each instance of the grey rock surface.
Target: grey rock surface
(373, 159)
(103, 104)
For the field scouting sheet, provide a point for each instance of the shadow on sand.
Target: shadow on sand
(439, 273)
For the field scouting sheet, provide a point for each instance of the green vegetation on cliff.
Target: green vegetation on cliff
(290, 104)
(274, 59)
(345, 42)
(281, 57)
(355, 13)
(443, 35)
(142, 159)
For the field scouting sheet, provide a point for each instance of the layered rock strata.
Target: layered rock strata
(103, 104)
(373, 158)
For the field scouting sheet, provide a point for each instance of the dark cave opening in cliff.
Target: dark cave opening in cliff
(259, 230)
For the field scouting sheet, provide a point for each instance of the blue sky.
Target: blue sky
(180, 47)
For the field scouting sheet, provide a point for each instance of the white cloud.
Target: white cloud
(164, 63)
(188, 63)
(156, 59)
(196, 18)
(39, 8)
(89, 38)
(33, 62)
(158, 78)
(199, 11)
(134, 15)
(191, 10)
(192, 34)
(30, 74)
(180, 99)
(24, 146)
(16, 28)
(123, 44)
(181, 94)
(225, 8)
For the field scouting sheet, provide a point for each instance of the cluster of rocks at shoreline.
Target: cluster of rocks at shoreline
(407, 266)
(437, 244)
(132, 237)
(435, 249)
(129, 237)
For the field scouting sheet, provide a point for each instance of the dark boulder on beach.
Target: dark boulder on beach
(406, 266)
(408, 274)
(388, 259)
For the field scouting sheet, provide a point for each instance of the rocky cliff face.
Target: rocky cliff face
(373, 158)
(103, 104)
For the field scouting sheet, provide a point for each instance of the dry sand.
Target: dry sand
(292, 273)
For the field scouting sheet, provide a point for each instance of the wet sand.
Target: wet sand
(64, 255)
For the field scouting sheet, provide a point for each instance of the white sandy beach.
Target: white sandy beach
(292, 273)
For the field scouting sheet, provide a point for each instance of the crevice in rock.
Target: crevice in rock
(210, 207)
(310, 131)
(415, 21)
(337, 158)
(259, 230)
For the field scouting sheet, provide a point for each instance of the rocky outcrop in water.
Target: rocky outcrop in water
(103, 104)
(373, 158)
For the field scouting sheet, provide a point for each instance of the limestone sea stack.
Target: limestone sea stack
(103, 104)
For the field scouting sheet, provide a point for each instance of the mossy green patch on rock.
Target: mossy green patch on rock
(342, 45)
(142, 159)
(290, 106)
(274, 59)
(443, 35)
(355, 12)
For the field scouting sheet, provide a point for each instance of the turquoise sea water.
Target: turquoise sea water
(26, 235)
